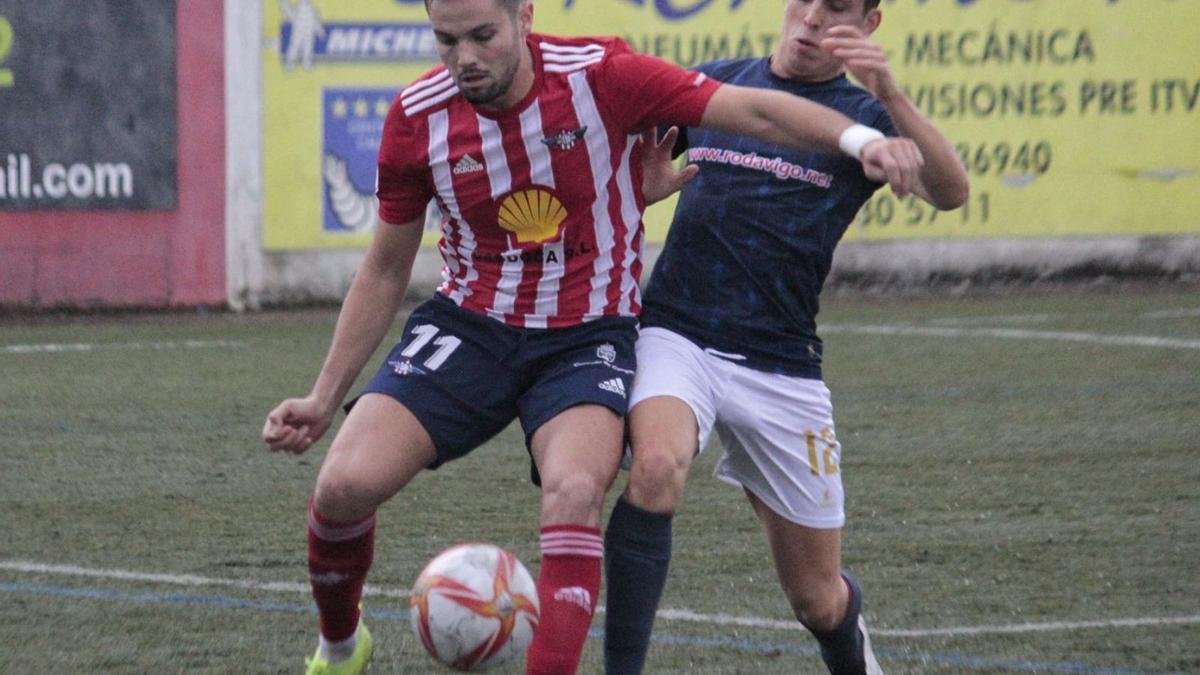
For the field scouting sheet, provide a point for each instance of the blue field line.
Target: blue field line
(754, 646)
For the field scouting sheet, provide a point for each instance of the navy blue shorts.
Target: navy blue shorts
(466, 376)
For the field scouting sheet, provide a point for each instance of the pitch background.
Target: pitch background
(1024, 465)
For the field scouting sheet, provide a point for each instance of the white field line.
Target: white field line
(1045, 627)
(946, 327)
(177, 579)
(1173, 314)
(57, 348)
(755, 622)
(1017, 334)
(663, 614)
(985, 320)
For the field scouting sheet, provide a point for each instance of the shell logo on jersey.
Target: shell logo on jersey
(533, 215)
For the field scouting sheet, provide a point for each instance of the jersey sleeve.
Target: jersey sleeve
(644, 91)
(403, 180)
(681, 141)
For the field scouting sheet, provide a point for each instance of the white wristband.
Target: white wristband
(855, 137)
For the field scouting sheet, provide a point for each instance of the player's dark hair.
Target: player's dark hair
(869, 5)
(512, 5)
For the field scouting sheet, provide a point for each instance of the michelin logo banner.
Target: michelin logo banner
(305, 43)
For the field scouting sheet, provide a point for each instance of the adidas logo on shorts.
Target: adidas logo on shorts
(615, 385)
(467, 165)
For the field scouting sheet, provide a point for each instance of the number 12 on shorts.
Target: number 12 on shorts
(828, 460)
(422, 335)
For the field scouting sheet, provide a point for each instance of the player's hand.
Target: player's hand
(895, 161)
(294, 425)
(660, 177)
(863, 58)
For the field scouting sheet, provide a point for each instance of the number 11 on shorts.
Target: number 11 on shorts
(422, 334)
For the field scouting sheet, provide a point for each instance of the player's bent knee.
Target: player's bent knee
(343, 497)
(657, 477)
(659, 464)
(816, 609)
(573, 499)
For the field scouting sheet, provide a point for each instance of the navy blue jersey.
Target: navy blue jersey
(753, 235)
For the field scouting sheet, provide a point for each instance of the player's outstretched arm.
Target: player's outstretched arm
(776, 117)
(942, 181)
(790, 120)
(367, 313)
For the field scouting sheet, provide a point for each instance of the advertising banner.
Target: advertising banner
(331, 71)
(1074, 117)
(1068, 123)
(87, 105)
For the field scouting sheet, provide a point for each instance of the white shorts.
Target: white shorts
(777, 430)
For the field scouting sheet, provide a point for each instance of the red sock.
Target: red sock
(339, 555)
(567, 585)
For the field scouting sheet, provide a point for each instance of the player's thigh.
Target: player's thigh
(449, 372)
(377, 451)
(780, 445)
(573, 409)
(663, 428)
(662, 443)
(806, 558)
(672, 367)
(577, 453)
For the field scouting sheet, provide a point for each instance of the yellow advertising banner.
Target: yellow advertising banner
(1074, 117)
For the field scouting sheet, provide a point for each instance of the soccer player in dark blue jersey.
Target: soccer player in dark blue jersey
(729, 339)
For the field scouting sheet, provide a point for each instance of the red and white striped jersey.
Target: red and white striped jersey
(541, 203)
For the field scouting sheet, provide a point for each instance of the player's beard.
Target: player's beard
(500, 84)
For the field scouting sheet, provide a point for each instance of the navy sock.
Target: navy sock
(842, 647)
(637, 554)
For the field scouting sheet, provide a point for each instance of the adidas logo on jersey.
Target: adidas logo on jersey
(615, 385)
(467, 165)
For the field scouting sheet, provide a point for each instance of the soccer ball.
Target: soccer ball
(474, 606)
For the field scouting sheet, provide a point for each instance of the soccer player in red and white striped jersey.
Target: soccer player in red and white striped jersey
(541, 209)
(530, 146)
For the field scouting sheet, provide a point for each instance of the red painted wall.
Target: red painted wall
(140, 258)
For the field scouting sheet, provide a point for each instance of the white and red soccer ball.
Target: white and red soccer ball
(474, 606)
